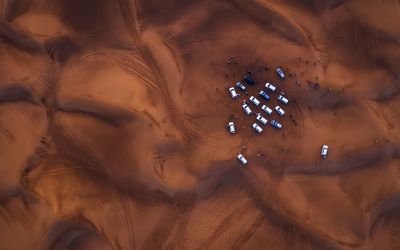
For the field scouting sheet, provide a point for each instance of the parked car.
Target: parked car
(246, 108)
(276, 124)
(233, 92)
(266, 109)
(280, 73)
(254, 100)
(249, 80)
(240, 86)
(261, 119)
(242, 159)
(324, 151)
(257, 128)
(231, 127)
(270, 87)
(264, 95)
(283, 99)
(279, 110)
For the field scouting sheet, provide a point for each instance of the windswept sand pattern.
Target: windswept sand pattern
(113, 120)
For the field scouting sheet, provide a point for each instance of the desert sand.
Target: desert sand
(113, 122)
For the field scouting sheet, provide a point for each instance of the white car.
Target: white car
(266, 109)
(280, 73)
(257, 128)
(254, 100)
(283, 99)
(280, 111)
(270, 87)
(324, 151)
(233, 92)
(246, 108)
(231, 127)
(261, 119)
(242, 159)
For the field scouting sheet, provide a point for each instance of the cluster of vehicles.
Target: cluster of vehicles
(260, 119)
(257, 103)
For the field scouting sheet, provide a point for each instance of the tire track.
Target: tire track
(100, 169)
(10, 138)
(182, 204)
(281, 240)
(179, 240)
(126, 217)
(226, 223)
(130, 64)
(280, 218)
(268, 211)
(246, 236)
(131, 16)
(320, 47)
(299, 124)
(292, 31)
(220, 109)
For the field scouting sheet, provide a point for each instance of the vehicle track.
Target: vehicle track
(280, 217)
(299, 129)
(130, 64)
(179, 239)
(282, 240)
(180, 208)
(226, 223)
(246, 235)
(293, 31)
(101, 169)
(10, 138)
(131, 16)
(220, 109)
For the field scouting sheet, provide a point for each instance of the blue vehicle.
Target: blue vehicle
(240, 86)
(264, 95)
(249, 80)
(276, 124)
(280, 73)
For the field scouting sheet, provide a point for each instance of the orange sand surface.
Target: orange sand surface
(113, 120)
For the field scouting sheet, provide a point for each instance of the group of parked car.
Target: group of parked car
(257, 103)
(264, 95)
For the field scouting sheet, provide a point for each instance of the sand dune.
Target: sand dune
(113, 122)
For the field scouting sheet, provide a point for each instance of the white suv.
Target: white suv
(283, 99)
(280, 73)
(242, 159)
(246, 108)
(233, 92)
(266, 109)
(280, 111)
(257, 128)
(231, 127)
(324, 151)
(254, 100)
(270, 87)
(261, 119)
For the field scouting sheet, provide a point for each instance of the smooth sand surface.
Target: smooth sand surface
(113, 122)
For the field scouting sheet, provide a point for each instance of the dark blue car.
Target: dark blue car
(276, 124)
(264, 95)
(249, 80)
(240, 86)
